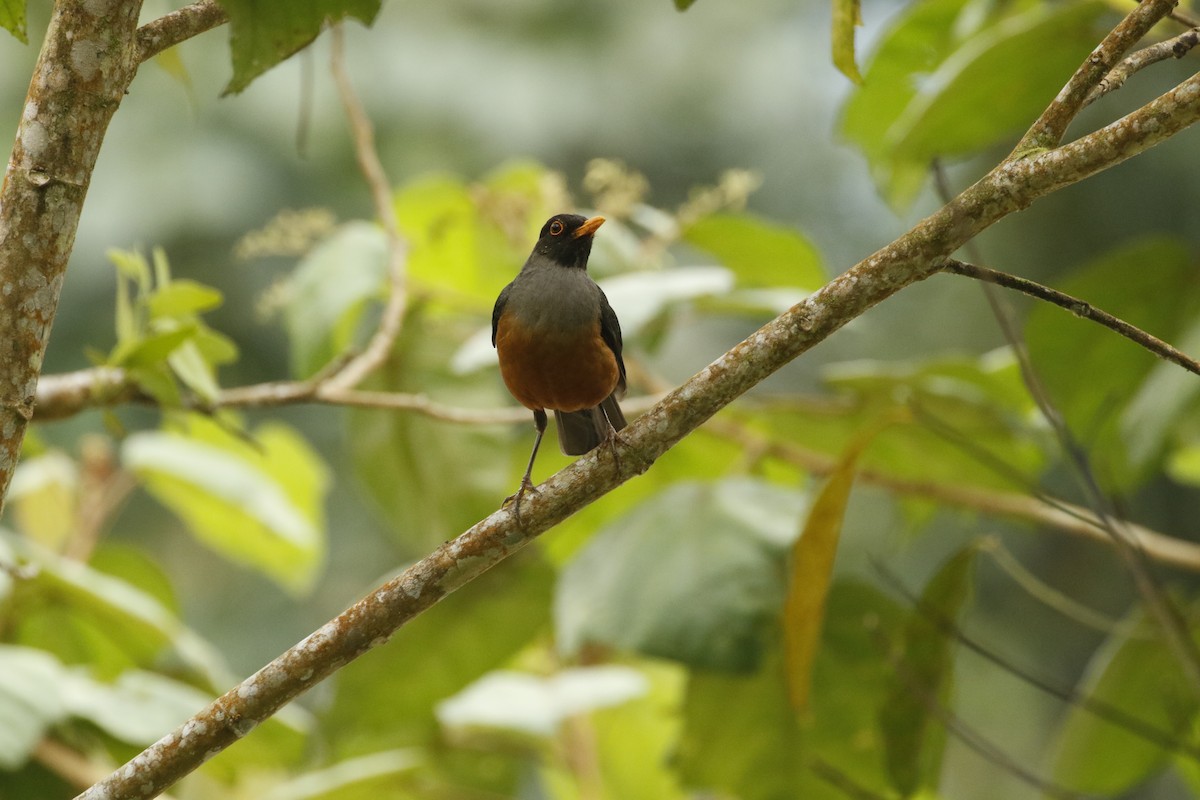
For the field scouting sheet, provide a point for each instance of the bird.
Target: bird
(558, 342)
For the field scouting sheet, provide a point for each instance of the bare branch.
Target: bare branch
(1079, 308)
(381, 343)
(70, 393)
(178, 26)
(1134, 133)
(1051, 126)
(1176, 47)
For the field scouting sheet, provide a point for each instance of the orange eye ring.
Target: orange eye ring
(556, 227)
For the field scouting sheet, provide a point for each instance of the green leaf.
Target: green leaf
(636, 741)
(760, 252)
(948, 80)
(847, 15)
(264, 33)
(537, 705)
(454, 247)
(138, 708)
(469, 633)
(87, 617)
(375, 776)
(914, 737)
(1184, 465)
(1166, 398)
(330, 290)
(258, 504)
(693, 574)
(1092, 375)
(158, 381)
(152, 349)
(923, 35)
(216, 348)
(30, 701)
(684, 5)
(188, 363)
(12, 19)
(132, 265)
(43, 497)
(979, 400)
(182, 298)
(1140, 676)
(851, 682)
(741, 738)
(641, 297)
(997, 82)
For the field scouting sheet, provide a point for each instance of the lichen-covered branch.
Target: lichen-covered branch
(86, 63)
(1049, 128)
(178, 26)
(1175, 47)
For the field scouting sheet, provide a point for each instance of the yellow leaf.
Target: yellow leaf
(813, 555)
(847, 14)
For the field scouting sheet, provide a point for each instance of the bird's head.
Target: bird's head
(566, 239)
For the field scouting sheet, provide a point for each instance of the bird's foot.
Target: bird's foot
(612, 440)
(514, 500)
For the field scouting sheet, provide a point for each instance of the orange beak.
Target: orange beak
(588, 228)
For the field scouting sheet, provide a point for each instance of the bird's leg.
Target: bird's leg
(539, 420)
(602, 422)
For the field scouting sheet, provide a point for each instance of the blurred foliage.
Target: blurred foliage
(708, 630)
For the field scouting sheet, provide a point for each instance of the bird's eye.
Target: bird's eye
(556, 227)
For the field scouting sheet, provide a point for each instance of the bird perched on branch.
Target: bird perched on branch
(559, 343)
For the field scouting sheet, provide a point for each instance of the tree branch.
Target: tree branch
(178, 26)
(86, 63)
(380, 345)
(1051, 126)
(1175, 47)
(66, 394)
(1079, 308)
(915, 256)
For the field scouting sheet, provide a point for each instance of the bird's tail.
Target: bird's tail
(580, 431)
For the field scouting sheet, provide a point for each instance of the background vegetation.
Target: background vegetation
(180, 517)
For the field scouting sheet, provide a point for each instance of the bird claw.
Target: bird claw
(515, 498)
(612, 440)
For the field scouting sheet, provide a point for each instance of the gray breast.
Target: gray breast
(554, 298)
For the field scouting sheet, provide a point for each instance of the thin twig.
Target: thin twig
(841, 780)
(1127, 545)
(380, 346)
(954, 724)
(178, 26)
(67, 394)
(1175, 47)
(1170, 742)
(1080, 308)
(1049, 512)
(1051, 126)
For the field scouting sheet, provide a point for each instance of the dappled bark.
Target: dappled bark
(87, 62)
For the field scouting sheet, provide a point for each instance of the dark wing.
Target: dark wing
(498, 309)
(610, 330)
